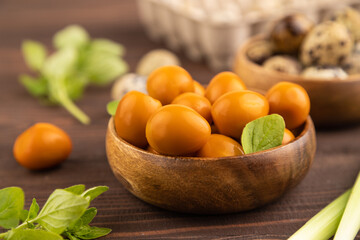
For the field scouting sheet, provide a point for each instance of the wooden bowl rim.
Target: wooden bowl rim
(242, 56)
(306, 128)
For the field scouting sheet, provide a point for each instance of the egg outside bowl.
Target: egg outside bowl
(211, 185)
(334, 102)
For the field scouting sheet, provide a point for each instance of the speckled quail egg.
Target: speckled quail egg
(289, 32)
(327, 44)
(127, 83)
(356, 49)
(285, 64)
(352, 64)
(325, 73)
(350, 18)
(259, 51)
(155, 59)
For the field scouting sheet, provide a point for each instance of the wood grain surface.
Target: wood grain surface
(335, 167)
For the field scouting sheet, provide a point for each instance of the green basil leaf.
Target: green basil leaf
(32, 234)
(103, 68)
(70, 236)
(73, 36)
(23, 215)
(60, 210)
(33, 211)
(87, 232)
(60, 64)
(37, 87)
(82, 230)
(75, 86)
(57, 68)
(34, 54)
(107, 46)
(76, 189)
(88, 216)
(85, 219)
(94, 192)
(11, 206)
(263, 133)
(112, 106)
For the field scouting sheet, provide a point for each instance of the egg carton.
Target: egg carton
(214, 29)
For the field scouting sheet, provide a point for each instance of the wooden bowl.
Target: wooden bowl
(334, 102)
(211, 185)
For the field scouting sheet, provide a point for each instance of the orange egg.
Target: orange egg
(222, 83)
(41, 146)
(288, 137)
(199, 89)
(177, 130)
(199, 103)
(214, 129)
(166, 83)
(131, 116)
(220, 146)
(291, 101)
(232, 111)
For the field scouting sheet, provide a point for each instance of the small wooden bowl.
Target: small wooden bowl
(334, 102)
(211, 185)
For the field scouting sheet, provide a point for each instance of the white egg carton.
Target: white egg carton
(214, 29)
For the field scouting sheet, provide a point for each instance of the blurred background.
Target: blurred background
(201, 30)
(214, 29)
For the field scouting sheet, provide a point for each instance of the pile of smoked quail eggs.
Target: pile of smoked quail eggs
(327, 50)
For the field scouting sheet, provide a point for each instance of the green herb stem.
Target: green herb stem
(24, 224)
(21, 226)
(324, 224)
(350, 221)
(74, 110)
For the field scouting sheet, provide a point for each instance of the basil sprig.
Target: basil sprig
(64, 215)
(77, 62)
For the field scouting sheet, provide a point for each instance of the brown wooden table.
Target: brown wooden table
(334, 170)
